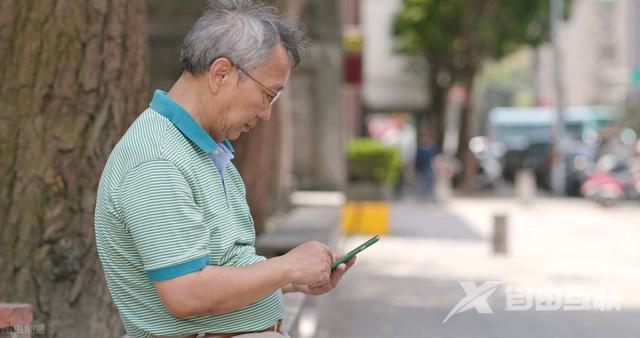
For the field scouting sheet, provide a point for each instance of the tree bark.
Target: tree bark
(435, 118)
(264, 156)
(469, 162)
(470, 59)
(257, 159)
(72, 78)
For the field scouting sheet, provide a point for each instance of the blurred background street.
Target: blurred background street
(405, 285)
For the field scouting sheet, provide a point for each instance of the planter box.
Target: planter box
(365, 217)
(367, 209)
(369, 191)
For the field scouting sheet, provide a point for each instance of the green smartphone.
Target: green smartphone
(355, 251)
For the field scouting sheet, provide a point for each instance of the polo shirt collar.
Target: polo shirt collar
(168, 108)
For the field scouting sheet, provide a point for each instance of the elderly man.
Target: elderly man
(173, 229)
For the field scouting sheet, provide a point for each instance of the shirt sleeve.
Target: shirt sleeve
(167, 227)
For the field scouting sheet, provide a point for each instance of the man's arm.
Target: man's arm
(222, 289)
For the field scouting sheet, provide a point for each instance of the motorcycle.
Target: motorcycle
(603, 188)
(611, 182)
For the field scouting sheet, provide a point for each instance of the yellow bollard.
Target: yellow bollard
(365, 217)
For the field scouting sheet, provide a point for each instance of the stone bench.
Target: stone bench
(302, 224)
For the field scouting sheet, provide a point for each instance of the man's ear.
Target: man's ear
(219, 74)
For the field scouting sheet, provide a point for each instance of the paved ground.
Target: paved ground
(405, 285)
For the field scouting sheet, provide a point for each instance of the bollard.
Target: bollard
(525, 185)
(500, 234)
(442, 189)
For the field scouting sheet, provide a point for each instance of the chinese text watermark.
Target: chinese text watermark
(520, 298)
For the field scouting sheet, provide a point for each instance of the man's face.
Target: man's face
(249, 101)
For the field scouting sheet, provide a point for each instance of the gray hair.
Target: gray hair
(244, 31)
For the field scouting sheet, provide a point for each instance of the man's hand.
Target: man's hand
(309, 264)
(336, 275)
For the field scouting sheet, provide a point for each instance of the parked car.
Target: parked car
(526, 134)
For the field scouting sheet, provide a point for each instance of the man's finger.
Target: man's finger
(327, 248)
(340, 270)
(336, 275)
(350, 262)
(319, 289)
(328, 251)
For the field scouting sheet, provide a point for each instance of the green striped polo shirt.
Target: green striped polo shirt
(163, 210)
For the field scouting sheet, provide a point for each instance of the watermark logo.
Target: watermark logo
(476, 298)
(519, 298)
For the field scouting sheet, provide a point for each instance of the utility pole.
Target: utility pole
(558, 170)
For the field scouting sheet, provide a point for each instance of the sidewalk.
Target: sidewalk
(405, 285)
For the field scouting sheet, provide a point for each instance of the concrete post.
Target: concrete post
(442, 188)
(500, 234)
(326, 32)
(444, 166)
(525, 185)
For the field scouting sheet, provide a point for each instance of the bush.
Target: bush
(372, 161)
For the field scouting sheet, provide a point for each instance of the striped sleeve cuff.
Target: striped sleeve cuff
(180, 269)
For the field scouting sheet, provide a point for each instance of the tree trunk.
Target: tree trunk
(72, 78)
(471, 56)
(265, 154)
(469, 163)
(438, 92)
(435, 119)
(257, 158)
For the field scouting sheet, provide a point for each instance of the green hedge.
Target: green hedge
(372, 161)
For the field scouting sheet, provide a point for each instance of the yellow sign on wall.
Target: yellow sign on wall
(352, 40)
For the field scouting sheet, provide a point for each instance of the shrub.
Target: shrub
(372, 161)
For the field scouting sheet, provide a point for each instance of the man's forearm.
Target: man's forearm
(222, 289)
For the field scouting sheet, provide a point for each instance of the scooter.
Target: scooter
(603, 188)
(611, 182)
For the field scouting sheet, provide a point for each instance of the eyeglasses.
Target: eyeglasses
(273, 96)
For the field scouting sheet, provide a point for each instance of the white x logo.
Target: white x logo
(476, 298)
